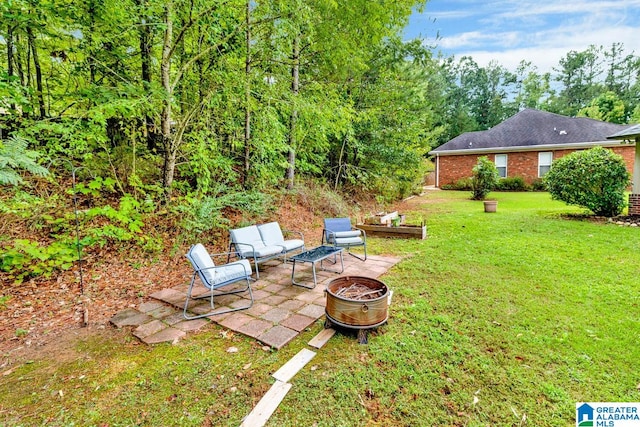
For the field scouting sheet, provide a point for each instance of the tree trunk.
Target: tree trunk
(10, 58)
(293, 119)
(9, 50)
(145, 42)
(36, 65)
(165, 75)
(247, 95)
(91, 10)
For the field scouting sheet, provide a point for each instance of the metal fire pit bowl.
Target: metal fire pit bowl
(361, 314)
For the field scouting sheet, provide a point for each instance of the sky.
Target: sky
(542, 31)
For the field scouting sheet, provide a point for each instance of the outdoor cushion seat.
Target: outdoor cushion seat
(214, 277)
(339, 232)
(272, 235)
(248, 244)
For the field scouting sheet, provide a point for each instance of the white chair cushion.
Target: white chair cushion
(250, 235)
(349, 241)
(234, 270)
(271, 233)
(352, 233)
(292, 244)
(265, 251)
(200, 259)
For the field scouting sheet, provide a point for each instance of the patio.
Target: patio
(280, 311)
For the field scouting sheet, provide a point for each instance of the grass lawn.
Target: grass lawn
(507, 318)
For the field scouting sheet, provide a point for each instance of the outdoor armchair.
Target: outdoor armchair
(214, 277)
(339, 232)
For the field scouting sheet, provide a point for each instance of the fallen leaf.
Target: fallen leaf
(247, 366)
(232, 350)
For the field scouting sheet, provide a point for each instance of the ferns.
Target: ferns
(14, 156)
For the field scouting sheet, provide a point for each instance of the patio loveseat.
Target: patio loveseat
(264, 242)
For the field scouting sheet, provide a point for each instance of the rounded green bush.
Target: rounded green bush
(485, 178)
(595, 179)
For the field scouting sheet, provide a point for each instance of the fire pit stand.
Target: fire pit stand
(357, 302)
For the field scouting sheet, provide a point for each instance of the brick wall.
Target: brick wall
(522, 164)
(634, 204)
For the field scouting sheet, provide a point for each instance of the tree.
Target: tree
(606, 107)
(595, 179)
(533, 89)
(484, 179)
(578, 73)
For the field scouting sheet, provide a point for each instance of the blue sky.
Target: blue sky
(542, 31)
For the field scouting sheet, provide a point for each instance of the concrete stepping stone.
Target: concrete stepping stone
(278, 336)
(148, 329)
(297, 322)
(171, 335)
(129, 317)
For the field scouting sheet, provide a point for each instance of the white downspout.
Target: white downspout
(636, 168)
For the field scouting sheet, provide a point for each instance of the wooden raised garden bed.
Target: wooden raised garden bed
(392, 225)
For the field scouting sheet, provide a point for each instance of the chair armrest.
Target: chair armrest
(327, 234)
(221, 266)
(238, 250)
(293, 232)
(364, 233)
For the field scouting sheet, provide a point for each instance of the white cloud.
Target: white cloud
(547, 47)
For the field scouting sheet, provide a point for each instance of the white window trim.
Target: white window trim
(540, 164)
(506, 163)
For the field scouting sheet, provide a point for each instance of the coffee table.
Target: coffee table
(313, 256)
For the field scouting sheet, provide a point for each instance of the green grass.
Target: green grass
(507, 318)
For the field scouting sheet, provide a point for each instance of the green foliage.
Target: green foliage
(94, 187)
(485, 178)
(595, 179)
(26, 258)
(463, 184)
(205, 213)
(15, 156)
(515, 183)
(538, 185)
(4, 299)
(99, 226)
(607, 107)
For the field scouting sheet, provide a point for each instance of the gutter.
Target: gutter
(522, 148)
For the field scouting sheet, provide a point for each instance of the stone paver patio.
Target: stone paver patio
(279, 313)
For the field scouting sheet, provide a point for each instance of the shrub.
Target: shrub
(463, 184)
(595, 179)
(485, 178)
(538, 185)
(515, 183)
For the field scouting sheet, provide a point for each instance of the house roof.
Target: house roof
(532, 130)
(629, 133)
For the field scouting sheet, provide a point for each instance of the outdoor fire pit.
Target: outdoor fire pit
(357, 302)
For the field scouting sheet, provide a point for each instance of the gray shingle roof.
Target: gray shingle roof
(632, 132)
(530, 128)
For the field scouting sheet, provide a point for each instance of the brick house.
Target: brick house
(525, 145)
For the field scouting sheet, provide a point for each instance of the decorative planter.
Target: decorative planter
(490, 205)
(401, 231)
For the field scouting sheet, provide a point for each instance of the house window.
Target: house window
(501, 164)
(544, 162)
